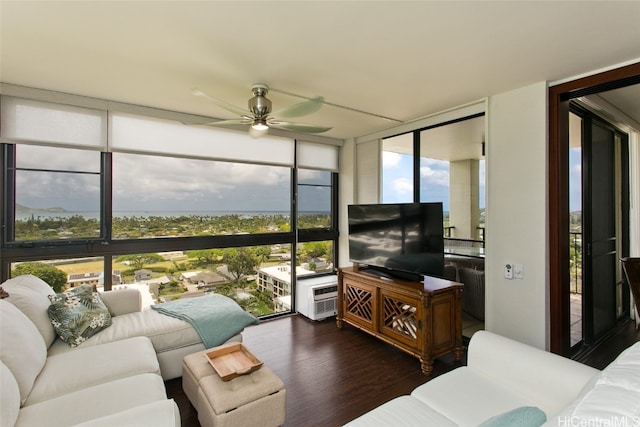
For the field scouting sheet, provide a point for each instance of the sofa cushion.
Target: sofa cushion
(403, 411)
(86, 367)
(467, 397)
(624, 371)
(525, 416)
(9, 397)
(31, 295)
(166, 333)
(604, 403)
(162, 413)
(549, 381)
(22, 348)
(78, 314)
(94, 402)
(122, 300)
(607, 394)
(615, 395)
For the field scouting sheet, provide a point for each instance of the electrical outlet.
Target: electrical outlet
(508, 271)
(518, 271)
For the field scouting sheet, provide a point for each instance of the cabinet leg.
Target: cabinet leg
(458, 353)
(339, 323)
(427, 366)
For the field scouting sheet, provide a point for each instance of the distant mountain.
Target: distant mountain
(20, 209)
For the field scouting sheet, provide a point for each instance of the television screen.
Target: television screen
(404, 239)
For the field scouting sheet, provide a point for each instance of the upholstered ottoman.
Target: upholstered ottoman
(255, 399)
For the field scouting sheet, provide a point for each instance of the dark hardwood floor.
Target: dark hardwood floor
(334, 375)
(612, 346)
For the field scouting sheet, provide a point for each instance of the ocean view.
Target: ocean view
(56, 223)
(42, 214)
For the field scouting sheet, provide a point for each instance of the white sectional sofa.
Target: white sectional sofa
(507, 383)
(172, 338)
(92, 386)
(114, 377)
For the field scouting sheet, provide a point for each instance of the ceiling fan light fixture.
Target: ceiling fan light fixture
(260, 125)
(258, 115)
(260, 105)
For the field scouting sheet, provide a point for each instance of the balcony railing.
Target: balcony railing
(575, 261)
(470, 243)
(449, 229)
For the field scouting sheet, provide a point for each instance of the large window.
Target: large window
(157, 196)
(315, 199)
(57, 193)
(397, 169)
(450, 169)
(176, 209)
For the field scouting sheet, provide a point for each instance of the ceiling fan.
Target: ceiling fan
(259, 117)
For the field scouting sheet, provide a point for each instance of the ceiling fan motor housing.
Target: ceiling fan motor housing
(260, 105)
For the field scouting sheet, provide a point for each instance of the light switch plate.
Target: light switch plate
(518, 271)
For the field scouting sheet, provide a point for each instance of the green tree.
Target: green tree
(240, 262)
(55, 277)
(138, 261)
(316, 249)
(249, 305)
(204, 257)
(263, 253)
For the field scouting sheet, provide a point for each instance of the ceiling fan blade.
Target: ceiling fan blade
(299, 127)
(222, 104)
(301, 109)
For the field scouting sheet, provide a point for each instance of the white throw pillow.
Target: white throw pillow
(22, 348)
(31, 295)
(9, 397)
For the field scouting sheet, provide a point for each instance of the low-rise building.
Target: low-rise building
(277, 279)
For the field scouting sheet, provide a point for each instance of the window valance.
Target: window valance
(29, 121)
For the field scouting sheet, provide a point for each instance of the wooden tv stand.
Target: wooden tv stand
(423, 319)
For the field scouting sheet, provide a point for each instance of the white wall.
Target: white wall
(516, 176)
(368, 167)
(517, 214)
(346, 194)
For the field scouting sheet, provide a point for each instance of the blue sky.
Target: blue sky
(397, 180)
(156, 183)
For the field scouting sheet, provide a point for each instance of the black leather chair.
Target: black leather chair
(473, 292)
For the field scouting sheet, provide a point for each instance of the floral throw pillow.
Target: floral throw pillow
(77, 314)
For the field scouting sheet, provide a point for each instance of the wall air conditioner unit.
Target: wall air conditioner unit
(317, 297)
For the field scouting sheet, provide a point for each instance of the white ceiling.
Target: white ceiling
(402, 60)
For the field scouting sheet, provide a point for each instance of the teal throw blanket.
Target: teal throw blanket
(215, 317)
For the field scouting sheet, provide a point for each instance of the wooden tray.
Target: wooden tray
(232, 360)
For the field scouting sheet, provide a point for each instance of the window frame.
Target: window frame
(105, 246)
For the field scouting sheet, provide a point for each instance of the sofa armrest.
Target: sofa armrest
(122, 301)
(548, 378)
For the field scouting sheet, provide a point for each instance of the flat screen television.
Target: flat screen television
(404, 240)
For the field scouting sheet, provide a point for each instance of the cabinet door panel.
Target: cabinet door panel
(359, 303)
(401, 318)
